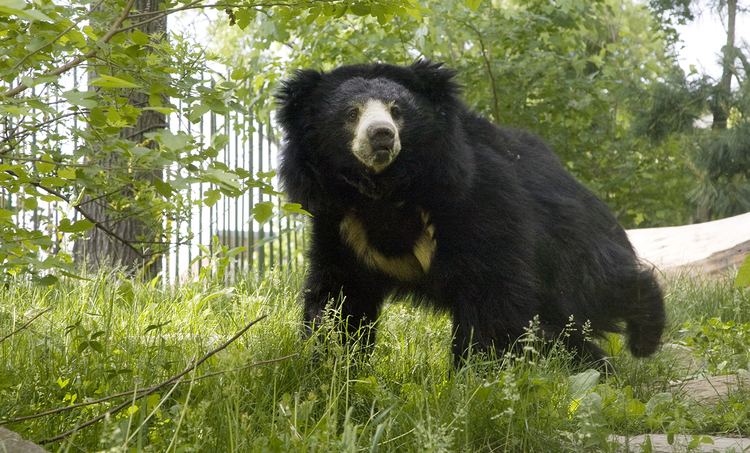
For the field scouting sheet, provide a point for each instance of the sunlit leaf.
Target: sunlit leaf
(76, 227)
(108, 81)
(18, 8)
(262, 212)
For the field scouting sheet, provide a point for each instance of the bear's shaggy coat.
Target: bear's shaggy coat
(475, 219)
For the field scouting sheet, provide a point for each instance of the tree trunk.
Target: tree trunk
(723, 91)
(134, 248)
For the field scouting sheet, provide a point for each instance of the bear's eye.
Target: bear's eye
(352, 113)
(395, 111)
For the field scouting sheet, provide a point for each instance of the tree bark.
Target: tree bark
(723, 90)
(99, 249)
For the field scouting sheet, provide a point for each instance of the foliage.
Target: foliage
(577, 73)
(723, 343)
(673, 105)
(671, 13)
(743, 274)
(66, 146)
(722, 160)
(111, 335)
(718, 158)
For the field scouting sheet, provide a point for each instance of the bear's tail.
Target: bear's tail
(646, 316)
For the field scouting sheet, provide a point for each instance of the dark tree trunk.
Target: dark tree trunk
(135, 247)
(723, 91)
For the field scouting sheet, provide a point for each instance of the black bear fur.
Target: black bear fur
(513, 234)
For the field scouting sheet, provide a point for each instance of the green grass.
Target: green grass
(109, 335)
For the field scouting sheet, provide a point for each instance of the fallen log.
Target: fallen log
(708, 248)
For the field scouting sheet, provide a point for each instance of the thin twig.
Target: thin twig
(15, 158)
(244, 367)
(26, 324)
(131, 392)
(488, 67)
(18, 136)
(104, 195)
(152, 389)
(80, 59)
(98, 224)
(197, 5)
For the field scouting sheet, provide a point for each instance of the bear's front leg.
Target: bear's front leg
(342, 292)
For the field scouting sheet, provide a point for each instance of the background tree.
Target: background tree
(719, 157)
(575, 72)
(96, 248)
(96, 157)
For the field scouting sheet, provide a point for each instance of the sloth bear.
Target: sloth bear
(414, 194)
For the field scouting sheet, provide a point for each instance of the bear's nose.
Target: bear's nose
(381, 135)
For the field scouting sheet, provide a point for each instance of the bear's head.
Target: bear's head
(369, 126)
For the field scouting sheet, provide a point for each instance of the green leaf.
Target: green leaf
(218, 141)
(151, 327)
(360, 9)
(658, 402)
(172, 141)
(108, 81)
(30, 203)
(138, 37)
(48, 280)
(164, 110)
(222, 178)
(18, 8)
(583, 382)
(473, 4)
(77, 227)
(196, 113)
(96, 346)
(67, 173)
(262, 212)
(44, 166)
(54, 181)
(743, 275)
(81, 98)
(294, 208)
(163, 188)
(211, 196)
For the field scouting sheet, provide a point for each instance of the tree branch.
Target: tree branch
(80, 59)
(131, 392)
(31, 129)
(34, 318)
(152, 389)
(98, 224)
(488, 66)
(55, 39)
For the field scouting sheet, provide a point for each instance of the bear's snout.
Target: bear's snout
(376, 139)
(381, 135)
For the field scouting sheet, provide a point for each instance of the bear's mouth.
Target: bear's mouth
(381, 156)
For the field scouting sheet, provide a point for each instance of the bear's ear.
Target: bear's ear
(435, 80)
(293, 95)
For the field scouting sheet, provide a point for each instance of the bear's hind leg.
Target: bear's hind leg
(646, 316)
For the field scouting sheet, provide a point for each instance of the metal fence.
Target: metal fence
(253, 145)
(207, 232)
